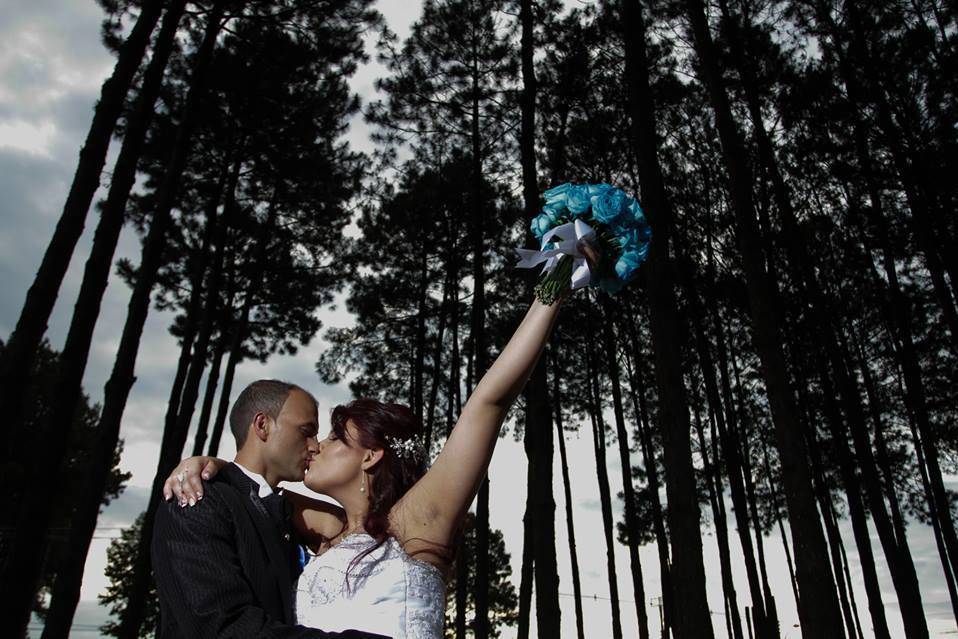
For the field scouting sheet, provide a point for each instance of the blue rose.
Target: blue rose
(554, 210)
(541, 224)
(599, 189)
(635, 212)
(629, 262)
(578, 200)
(557, 193)
(609, 205)
(632, 238)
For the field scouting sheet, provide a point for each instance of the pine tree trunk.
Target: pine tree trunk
(781, 527)
(239, 332)
(856, 508)
(213, 380)
(899, 558)
(733, 622)
(894, 544)
(454, 396)
(929, 498)
(437, 361)
(898, 304)
(175, 433)
(820, 612)
(849, 585)
(912, 173)
(538, 418)
(729, 438)
(639, 405)
(835, 543)
(893, 321)
(631, 521)
(889, 479)
(419, 356)
(742, 417)
(479, 342)
(605, 499)
(527, 575)
(846, 466)
(222, 407)
(41, 488)
(23, 555)
(567, 491)
(121, 379)
(714, 485)
(23, 344)
(692, 617)
(209, 394)
(539, 421)
(771, 613)
(195, 304)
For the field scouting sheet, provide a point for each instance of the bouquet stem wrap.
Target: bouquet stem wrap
(566, 267)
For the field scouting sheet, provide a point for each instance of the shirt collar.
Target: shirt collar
(265, 490)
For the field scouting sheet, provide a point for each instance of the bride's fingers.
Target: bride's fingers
(179, 487)
(196, 487)
(210, 469)
(173, 486)
(168, 489)
(184, 488)
(591, 252)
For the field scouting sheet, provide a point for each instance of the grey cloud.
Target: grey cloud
(589, 504)
(73, 113)
(63, 28)
(123, 510)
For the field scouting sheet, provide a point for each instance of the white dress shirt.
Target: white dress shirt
(265, 490)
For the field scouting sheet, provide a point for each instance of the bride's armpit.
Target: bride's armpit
(439, 555)
(419, 537)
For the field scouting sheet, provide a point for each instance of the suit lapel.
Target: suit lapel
(270, 535)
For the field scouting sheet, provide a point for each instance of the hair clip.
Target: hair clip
(405, 448)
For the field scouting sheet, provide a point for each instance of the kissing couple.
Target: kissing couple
(234, 556)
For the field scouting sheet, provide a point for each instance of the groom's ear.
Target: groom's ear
(260, 426)
(372, 457)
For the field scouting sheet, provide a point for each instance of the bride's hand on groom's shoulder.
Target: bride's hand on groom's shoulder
(185, 483)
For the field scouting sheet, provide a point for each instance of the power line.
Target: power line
(621, 601)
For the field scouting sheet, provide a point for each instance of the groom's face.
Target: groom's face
(292, 442)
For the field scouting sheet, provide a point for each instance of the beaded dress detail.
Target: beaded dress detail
(386, 592)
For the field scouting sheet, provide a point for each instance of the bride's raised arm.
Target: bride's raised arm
(433, 508)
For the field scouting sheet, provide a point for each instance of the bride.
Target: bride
(378, 562)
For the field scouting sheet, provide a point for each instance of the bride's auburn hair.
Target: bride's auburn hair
(378, 424)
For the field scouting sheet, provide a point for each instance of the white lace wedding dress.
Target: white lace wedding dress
(387, 591)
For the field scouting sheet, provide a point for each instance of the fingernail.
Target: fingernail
(192, 502)
(199, 496)
(206, 475)
(182, 503)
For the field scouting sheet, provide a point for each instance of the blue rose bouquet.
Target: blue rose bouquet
(600, 216)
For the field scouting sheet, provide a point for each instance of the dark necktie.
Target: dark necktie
(280, 510)
(275, 504)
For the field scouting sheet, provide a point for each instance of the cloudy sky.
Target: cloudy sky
(51, 66)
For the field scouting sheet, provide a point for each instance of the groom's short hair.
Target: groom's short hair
(262, 396)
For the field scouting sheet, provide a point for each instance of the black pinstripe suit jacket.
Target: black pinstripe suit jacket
(222, 567)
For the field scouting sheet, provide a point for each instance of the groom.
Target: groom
(226, 567)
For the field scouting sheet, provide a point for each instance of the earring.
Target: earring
(362, 485)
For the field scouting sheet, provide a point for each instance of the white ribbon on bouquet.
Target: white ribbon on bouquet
(569, 235)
